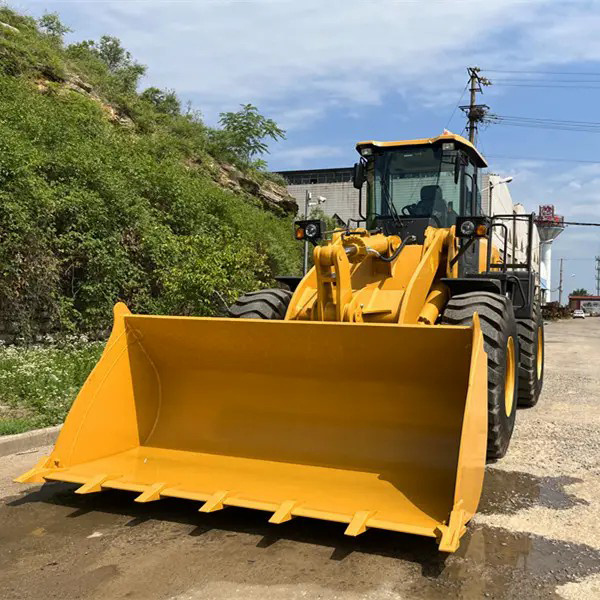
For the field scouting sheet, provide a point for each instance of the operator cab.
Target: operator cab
(414, 184)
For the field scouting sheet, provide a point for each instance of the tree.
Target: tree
(246, 131)
(51, 25)
(580, 292)
(165, 101)
(109, 49)
(126, 72)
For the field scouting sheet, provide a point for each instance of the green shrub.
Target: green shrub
(92, 212)
(38, 384)
(28, 52)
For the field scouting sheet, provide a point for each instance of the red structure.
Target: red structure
(547, 218)
(549, 226)
(589, 304)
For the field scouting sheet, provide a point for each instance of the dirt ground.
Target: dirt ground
(537, 534)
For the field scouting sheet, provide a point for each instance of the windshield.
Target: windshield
(417, 182)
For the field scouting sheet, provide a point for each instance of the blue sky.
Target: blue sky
(332, 73)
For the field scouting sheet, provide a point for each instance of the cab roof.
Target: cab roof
(460, 142)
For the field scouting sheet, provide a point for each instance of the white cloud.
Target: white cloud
(298, 156)
(540, 182)
(302, 117)
(271, 52)
(574, 190)
(301, 60)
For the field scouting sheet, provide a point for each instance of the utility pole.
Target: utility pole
(476, 113)
(307, 200)
(597, 275)
(472, 127)
(560, 285)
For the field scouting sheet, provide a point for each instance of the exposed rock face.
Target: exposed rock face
(75, 83)
(274, 197)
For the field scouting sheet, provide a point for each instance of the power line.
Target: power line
(538, 123)
(530, 80)
(542, 72)
(539, 85)
(456, 107)
(580, 223)
(554, 127)
(544, 158)
(546, 120)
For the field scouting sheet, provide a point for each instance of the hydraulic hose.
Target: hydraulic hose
(406, 240)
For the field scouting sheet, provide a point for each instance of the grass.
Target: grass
(39, 383)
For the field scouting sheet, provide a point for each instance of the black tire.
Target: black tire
(264, 304)
(498, 325)
(531, 372)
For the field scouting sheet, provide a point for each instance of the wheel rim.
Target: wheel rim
(540, 353)
(509, 377)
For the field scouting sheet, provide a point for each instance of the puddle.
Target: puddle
(507, 492)
(157, 543)
(496, 563)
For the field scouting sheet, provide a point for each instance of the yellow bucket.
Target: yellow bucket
(368, 425)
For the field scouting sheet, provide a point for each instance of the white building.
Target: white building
(502, 204)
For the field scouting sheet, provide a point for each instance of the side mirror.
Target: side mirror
(457, 162)
(358, 175)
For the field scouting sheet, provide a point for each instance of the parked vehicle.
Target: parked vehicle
(578, 314)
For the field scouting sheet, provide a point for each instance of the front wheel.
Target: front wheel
(500, 341)
(263, 304)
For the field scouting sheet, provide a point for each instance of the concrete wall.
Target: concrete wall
(342, 198)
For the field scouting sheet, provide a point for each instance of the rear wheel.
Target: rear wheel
(531, 358)
(263, 304)
(501, 344)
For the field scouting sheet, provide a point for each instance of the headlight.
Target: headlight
(311, 230)
(366, 151)
(467, 227)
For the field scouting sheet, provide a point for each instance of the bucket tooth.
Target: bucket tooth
(358, 524)
(455, 529)
(36, 475)
(93, 485)
(151, 493)
(215, 502)
(284, 512)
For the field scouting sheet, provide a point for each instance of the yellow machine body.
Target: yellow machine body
(354, 409)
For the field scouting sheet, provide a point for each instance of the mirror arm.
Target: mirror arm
(363, 218)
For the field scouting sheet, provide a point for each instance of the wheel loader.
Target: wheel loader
(368, 392)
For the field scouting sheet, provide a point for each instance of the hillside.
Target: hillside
(108, 193)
